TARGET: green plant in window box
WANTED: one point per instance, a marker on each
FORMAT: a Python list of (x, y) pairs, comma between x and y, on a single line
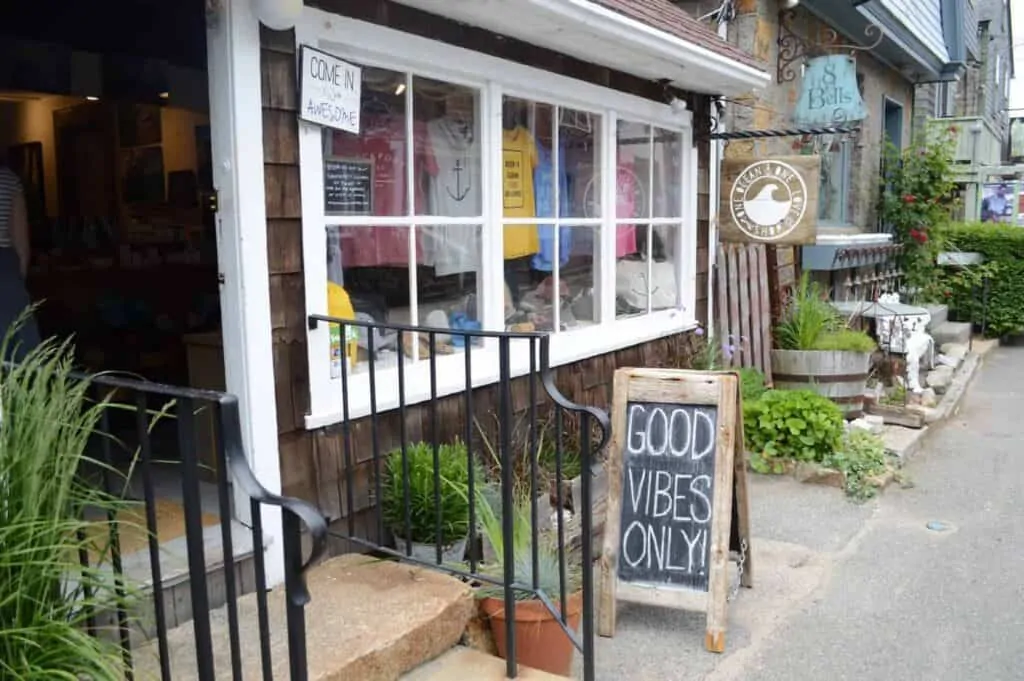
[(417, 471)]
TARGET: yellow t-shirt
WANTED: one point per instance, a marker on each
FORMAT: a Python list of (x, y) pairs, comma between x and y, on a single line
[(519, 159)]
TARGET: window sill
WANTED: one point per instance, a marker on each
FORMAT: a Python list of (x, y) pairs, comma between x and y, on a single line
[(566, 348)]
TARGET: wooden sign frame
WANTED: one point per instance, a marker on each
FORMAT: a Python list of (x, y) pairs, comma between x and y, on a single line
[(730, 521)]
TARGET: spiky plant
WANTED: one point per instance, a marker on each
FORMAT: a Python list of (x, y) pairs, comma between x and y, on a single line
[(49, 517)]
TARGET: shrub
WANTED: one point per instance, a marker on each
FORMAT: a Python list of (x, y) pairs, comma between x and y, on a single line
[(809, 322), (46, 596), (917, 194), (1003, 248), (791, 425), (751, 384), (454, 477), (861, 457)]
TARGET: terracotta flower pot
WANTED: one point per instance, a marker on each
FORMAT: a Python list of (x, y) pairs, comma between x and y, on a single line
[(540, 642)]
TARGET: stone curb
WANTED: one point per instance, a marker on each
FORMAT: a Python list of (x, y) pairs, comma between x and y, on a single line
[(906, 447)]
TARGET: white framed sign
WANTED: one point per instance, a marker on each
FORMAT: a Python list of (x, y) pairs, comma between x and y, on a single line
[(329, 90)]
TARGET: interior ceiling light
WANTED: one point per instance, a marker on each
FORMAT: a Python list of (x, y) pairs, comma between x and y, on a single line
[(400, 89)]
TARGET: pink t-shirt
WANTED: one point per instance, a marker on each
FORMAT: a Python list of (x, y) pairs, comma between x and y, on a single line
[(382, 142)]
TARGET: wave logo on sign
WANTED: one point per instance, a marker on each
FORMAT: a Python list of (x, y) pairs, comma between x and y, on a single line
[(768, 200)]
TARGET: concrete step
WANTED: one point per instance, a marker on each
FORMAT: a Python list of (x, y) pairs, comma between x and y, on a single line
[(952, 332), (939, 315), (466, 664), (176, 583), (368, 619)]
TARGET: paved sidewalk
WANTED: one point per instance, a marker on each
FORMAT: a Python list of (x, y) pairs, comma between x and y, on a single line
[(869, 592)]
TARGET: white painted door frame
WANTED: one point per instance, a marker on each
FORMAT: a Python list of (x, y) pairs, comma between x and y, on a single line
[(236, 119)]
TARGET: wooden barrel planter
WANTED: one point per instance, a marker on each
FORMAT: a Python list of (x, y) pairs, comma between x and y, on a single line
[(841, 376)]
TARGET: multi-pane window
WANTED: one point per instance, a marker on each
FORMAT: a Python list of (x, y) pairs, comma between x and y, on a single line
[(403, 201), (458, 206)]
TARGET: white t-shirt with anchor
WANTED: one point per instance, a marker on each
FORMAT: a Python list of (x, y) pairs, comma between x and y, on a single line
[(455, 191)]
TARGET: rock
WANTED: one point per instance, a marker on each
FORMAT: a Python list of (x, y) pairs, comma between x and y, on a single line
[(928, 398), (871, 423), (947, 361), (940, 378), (819, 475), (478, 635), (957, 351)]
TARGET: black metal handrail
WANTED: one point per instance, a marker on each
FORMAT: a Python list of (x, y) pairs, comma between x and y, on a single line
[(539, 367), (185, 406)]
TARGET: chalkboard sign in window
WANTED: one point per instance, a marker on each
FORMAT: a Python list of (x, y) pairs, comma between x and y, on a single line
[(668, 494), (348, 186)]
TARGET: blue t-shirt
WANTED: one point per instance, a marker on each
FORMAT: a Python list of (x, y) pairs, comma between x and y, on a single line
[(544, 196)]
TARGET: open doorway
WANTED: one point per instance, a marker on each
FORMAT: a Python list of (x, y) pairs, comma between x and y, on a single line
[(106, 124)]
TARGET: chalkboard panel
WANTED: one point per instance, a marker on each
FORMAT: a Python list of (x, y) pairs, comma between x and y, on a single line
[(348, 186), (668, 473)]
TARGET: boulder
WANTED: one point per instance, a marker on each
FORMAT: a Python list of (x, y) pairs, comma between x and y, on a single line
[(957, 351), (939, 379)]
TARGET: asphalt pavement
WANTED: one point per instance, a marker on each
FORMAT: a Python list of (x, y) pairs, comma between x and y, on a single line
[(921, 584)]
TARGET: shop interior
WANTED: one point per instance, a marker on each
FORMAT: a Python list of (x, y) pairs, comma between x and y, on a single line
[(106, 125)]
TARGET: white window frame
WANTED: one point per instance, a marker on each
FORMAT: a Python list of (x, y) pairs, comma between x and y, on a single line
[(376, 46)]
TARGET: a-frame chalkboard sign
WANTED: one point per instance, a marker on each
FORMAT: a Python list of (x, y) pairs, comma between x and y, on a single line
[(677, 495)]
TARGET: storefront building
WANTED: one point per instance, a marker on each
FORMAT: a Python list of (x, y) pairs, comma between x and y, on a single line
[(438, 211), (886, 49)]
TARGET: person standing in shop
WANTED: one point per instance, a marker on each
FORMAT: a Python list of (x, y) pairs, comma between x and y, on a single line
[(14, 259)]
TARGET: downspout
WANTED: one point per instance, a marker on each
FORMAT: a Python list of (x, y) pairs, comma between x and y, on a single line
[(715, 178)]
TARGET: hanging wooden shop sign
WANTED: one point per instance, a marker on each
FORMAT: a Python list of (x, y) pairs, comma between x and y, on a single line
[(677, 495), (772, 201)]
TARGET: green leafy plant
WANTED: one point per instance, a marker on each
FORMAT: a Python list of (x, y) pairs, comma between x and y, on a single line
[(1003, 249), (806, 317), (453, 468), (48, 516), (847, 340), (917, 195), (710, 353), (752, 385), (790, 425), (548, 576), (809, 322), (861, 458), (522, 443)]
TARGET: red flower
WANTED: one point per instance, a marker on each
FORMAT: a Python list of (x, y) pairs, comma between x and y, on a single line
[(918, 236), (947, 293), (909, 198), (953, 129)]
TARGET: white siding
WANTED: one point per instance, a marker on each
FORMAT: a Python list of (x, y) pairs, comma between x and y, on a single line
[(923, 18)]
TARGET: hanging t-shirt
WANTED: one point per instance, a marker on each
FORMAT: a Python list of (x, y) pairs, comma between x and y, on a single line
[(543, 186), (455, 191), (383, 143), (519, 160)]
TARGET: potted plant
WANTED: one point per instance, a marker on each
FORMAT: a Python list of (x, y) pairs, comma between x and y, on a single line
[(541, 643), (816, 350), (416, 533)]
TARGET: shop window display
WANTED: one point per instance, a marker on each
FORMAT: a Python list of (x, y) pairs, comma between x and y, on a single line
[(403, 201), (648, 213), (551, 208)]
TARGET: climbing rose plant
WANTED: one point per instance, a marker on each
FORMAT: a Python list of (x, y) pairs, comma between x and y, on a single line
[(918, 194)]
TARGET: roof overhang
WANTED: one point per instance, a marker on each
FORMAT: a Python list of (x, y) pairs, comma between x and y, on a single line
[(899, 48), (593, 33)]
